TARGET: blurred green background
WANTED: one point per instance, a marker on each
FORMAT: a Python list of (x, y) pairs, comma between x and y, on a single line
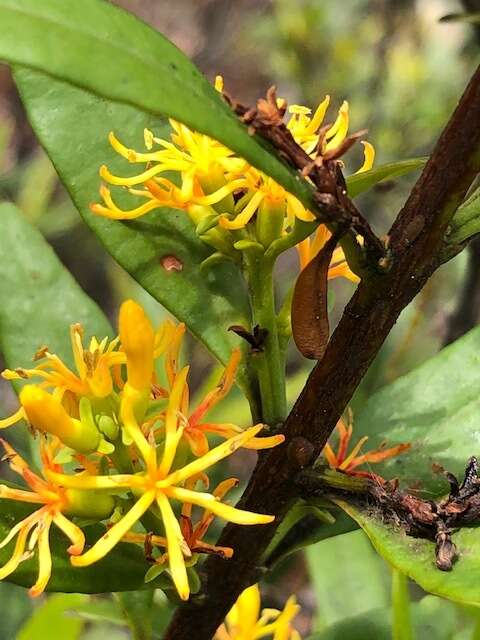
[(402, 70)]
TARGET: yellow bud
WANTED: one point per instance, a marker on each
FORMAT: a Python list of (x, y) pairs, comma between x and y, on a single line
[(47, 415), (270, 217), (138, 340), (93, 505)]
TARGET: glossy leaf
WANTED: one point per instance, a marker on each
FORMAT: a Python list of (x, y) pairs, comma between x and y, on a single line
[(123, 569), (436, 407), (73, 126), (39, 298), (360, 182), (118, 57), (416, 557), (113, 54)]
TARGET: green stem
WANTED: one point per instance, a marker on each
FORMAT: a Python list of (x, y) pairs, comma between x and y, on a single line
[(269, 363), (401, 623)]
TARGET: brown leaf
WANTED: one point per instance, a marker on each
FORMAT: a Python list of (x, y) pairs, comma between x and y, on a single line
[(310, 326)]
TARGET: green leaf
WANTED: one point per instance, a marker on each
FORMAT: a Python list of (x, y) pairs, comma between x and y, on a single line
[(436, 409), (339, 568), (360, 182), (39, 298), (73, 126), (54, 620), (416, 557), (137, 609), (302, 527), (106, 610), (432, 618), (123, 569), (466, 221), (113, 54)]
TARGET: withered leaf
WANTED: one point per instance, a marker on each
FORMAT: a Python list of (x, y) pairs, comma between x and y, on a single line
[(310, 326)]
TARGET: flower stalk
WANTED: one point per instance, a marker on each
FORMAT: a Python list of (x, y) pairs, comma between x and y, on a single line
[(269, 362)]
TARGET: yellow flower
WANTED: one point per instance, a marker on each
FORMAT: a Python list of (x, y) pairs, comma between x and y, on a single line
[(33, 531), (192, 534), (158, 484), (348, 462), (195, 429), (220, 188), (132, 436), (246, 622), (93, 367)]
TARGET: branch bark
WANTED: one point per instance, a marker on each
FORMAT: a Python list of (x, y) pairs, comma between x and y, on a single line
[(416, 240), (467, 312)]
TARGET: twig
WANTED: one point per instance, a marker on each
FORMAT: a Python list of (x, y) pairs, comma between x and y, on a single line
[(433, 520), (332, 204), (416, 242)]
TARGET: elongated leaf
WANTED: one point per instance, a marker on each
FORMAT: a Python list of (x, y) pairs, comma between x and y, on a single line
[(338, 568), (436, 407), (73, 126), (416, 558), (122, 570), (115, 55), (360, 182), (39, 298), (466, 221)]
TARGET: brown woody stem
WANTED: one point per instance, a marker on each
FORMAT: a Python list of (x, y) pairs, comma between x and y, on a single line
[(416, 240)]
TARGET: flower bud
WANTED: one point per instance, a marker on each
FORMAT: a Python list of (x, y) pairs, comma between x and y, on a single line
[(138, 339), (270, 217), (47, 415), (93, 505)]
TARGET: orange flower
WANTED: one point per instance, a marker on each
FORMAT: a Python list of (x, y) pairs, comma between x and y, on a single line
[(55, 503), (348, 462)]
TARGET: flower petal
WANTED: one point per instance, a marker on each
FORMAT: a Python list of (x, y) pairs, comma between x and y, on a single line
[(175, 541), (115, 533), (225, 511)]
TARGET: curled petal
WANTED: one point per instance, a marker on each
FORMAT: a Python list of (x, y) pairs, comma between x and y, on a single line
[(13, 419), (115, 533), (44, 558), (369, 157), (74, 533), (225, 511)]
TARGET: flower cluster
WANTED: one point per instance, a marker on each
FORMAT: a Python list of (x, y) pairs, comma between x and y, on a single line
[(245, 621), (232, 204), (120, 445), (348, 462)]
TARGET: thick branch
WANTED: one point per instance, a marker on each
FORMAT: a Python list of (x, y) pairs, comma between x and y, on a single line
[(467, 312), (416, 241)]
